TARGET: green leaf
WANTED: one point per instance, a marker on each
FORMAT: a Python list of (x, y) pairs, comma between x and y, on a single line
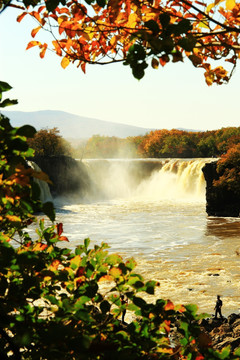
[(237, 352), (105, 306), (48, 209), (138, 70), (225, 352), (26, 130), (101, 3), (86, 243), (153, 26), (81, 301), (139, 302), (8, 102), (5, 86), (164, 19), (183, 27), (113, 259), (51, 5), (192, 308)]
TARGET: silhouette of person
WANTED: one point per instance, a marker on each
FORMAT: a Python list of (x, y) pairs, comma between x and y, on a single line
[(123, 301), (218, 307)]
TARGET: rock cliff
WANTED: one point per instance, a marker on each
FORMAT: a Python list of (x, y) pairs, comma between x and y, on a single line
[(67, 175), (219, 202)]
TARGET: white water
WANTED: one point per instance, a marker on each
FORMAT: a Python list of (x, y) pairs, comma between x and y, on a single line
[(160, 219)]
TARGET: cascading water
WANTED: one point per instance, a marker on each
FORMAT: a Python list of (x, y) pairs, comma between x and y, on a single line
[(45, 194)]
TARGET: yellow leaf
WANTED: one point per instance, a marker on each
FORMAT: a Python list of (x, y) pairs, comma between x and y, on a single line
[(115, 272), (230, 4), (204, 25), (75, 262), (209, 8), (155, 63), (65, 62)]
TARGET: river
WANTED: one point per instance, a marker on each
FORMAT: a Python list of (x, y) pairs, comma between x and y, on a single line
[(156, 214)]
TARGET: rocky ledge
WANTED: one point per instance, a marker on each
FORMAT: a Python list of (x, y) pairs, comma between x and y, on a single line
[(222, 332)]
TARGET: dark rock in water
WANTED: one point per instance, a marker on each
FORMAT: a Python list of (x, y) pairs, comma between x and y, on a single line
[(67, 174), (219, 202)]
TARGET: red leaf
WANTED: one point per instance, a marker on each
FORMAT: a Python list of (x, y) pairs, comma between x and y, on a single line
[(80, 271), (59, 229)]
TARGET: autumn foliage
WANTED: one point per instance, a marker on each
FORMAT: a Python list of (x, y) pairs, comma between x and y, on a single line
[(48, 142), (53, 302), (228, 168), (140, 33), (163, 144)]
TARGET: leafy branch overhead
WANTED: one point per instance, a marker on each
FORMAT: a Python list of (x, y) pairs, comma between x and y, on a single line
[(141, 32)]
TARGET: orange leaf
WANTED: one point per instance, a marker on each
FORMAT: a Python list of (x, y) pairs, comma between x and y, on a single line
[(63, 238), (83, 67), (13, 218), (164, 59), (43, 51), (33, 43), (169, 306), (54, 265), (21, 16), (106, 278), (37, 16), (167, 324), (35, 31), (65, 62), (39, 247), (57, 47)]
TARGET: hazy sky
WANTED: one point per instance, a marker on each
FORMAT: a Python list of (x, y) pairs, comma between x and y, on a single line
[(175, 96)]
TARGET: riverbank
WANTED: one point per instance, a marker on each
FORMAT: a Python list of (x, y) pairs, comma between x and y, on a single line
[(224, 332)]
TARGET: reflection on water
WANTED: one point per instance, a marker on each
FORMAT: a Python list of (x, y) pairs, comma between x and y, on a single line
[(223, 228)]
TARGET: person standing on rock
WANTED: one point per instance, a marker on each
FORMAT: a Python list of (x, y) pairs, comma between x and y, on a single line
[(218, 307)]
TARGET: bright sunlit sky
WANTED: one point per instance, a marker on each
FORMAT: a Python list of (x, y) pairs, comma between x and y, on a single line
[(175, 96)]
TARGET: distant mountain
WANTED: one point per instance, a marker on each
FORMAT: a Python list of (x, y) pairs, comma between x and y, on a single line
[(73, 126)]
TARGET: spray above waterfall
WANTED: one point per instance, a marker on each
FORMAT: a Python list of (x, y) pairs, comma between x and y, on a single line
[(160, 179)]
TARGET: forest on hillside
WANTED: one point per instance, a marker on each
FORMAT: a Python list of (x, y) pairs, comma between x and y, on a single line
[(161, 144)]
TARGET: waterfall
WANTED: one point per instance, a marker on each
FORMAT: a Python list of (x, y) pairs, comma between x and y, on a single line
[(149, 178), (45, 194)]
